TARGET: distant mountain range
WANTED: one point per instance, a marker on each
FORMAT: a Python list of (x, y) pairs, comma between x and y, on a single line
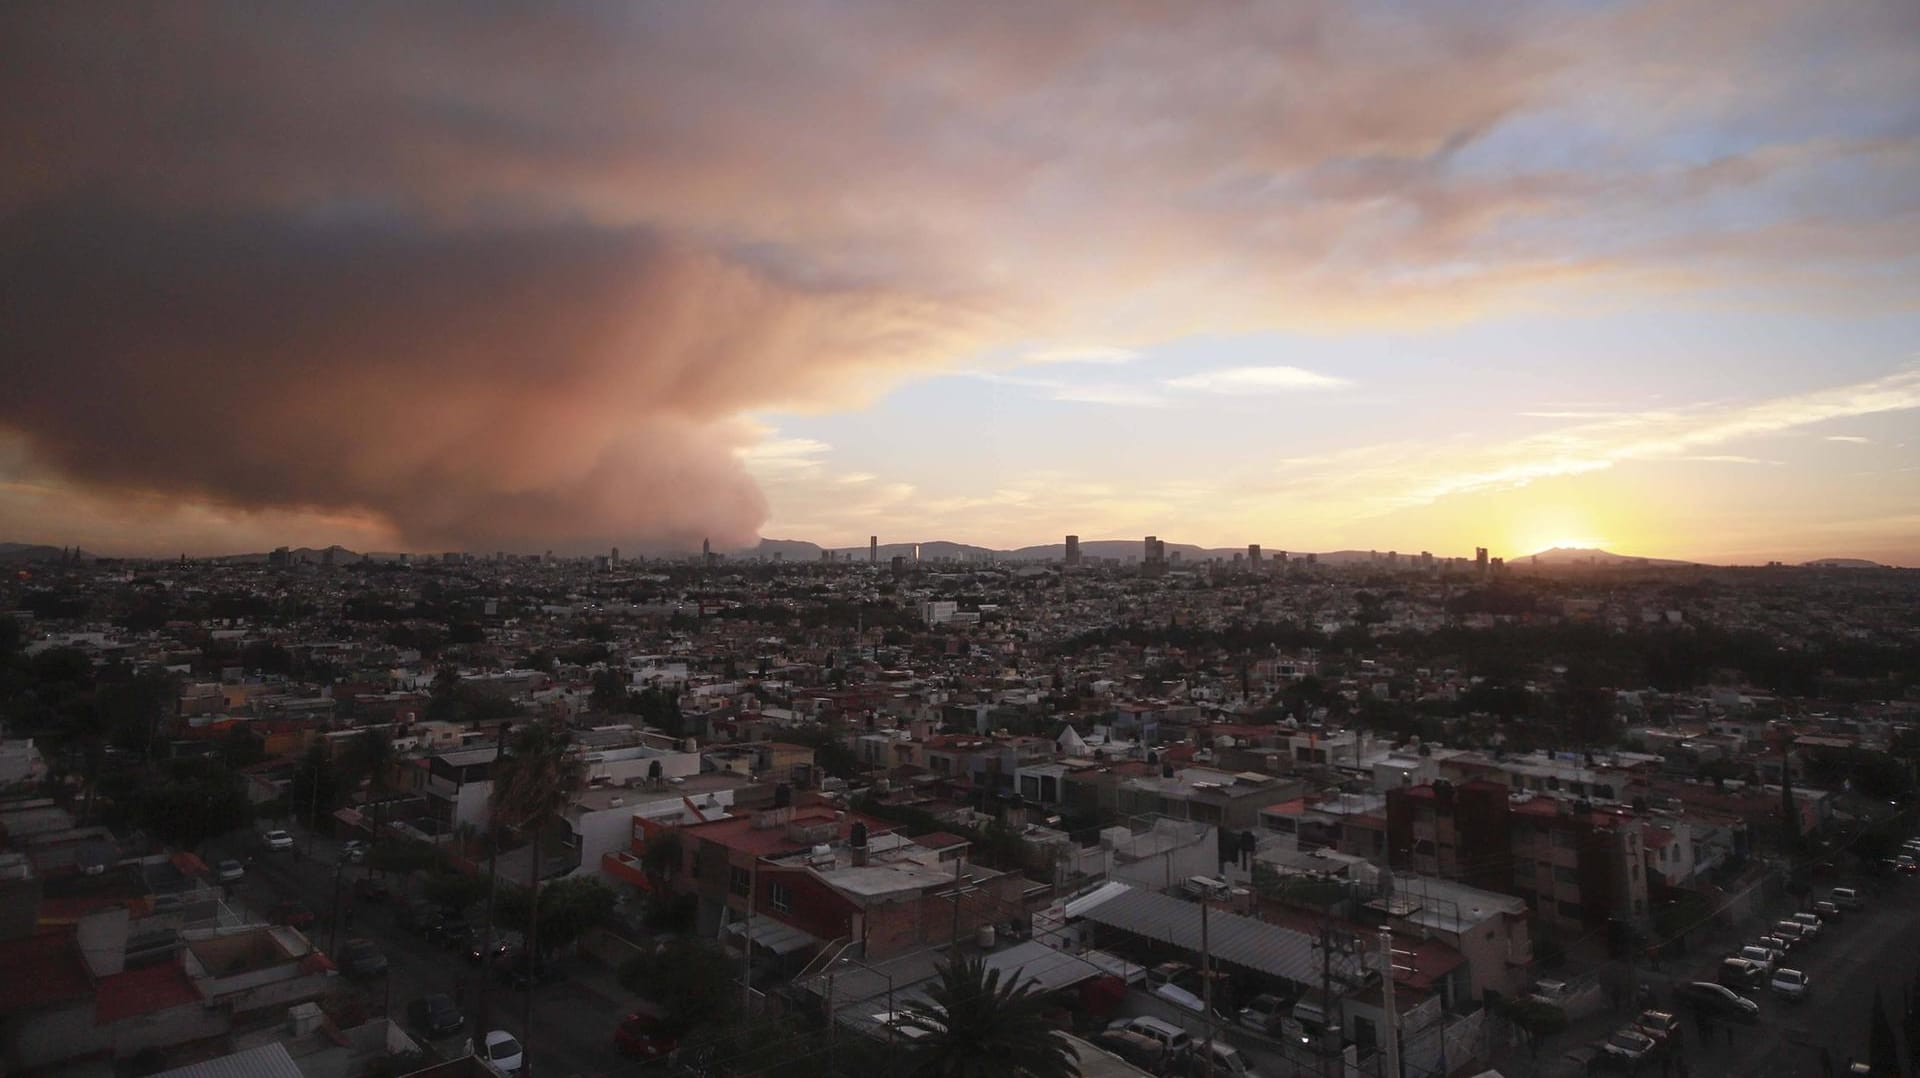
[(1590, 556), (800, 550), (23, 553), (1123, 549)]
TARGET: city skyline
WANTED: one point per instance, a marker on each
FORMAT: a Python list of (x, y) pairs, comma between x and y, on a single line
[(1637, 277)]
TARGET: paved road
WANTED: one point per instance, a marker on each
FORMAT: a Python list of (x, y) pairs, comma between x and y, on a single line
[(1875, 948), (573, 1019)]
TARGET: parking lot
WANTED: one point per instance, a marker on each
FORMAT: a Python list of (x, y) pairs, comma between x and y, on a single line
[(1870, 949)]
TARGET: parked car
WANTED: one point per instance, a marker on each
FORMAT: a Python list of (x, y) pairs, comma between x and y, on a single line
[(1906, 863), (1662, 1026), (1170, 973), (360, 958), (517, 969), (1811, 921), (1789, 984), (1846, 898), (1226, 1061), (1792, 931), (292, 914), (502, 1050), (458, 936), (1777, 943), (353, 851), (645, 1035), (1628, 1045), (480, 951), (1827, 911), (1263, 1013), (1136, 1048), (230, 871), (279, 841), (1764, 957), (420, 918), (1742, 975), (1716, 1000), (439, 1016), (1177, 1041), (371, 889)]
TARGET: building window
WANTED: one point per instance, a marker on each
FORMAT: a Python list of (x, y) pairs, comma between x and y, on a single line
[(780, 897), (1562, 874), (739, 881), (1569, 910)]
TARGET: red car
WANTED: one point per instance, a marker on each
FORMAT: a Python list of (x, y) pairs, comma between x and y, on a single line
[(291, 914), (644, 1036)]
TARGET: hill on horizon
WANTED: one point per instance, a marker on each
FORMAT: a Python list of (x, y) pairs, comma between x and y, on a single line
[(1590, 555)]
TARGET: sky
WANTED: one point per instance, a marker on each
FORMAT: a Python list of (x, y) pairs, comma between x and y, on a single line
[(1319, 275)]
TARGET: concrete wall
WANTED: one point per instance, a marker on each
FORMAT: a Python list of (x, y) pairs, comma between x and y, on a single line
[(102, 936), (175, 1025)]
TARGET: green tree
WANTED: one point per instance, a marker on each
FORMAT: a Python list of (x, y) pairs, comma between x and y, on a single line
[(403, 856), (193, 801), (973, 1024), (610, 692), (660, 709), (531, 788), (455, 890), (315, 788), (662, 858), (239, 748), (569, 908), (691, 981), (369, 757)]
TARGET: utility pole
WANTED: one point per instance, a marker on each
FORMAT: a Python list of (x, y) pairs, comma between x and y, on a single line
[(957, 879), (746, 948), (1326, 993), (1206, 982), (1393, 1015), (493, 889)]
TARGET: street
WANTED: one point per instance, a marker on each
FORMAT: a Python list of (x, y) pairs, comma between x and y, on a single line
[(1874, 948), (573, 1018)]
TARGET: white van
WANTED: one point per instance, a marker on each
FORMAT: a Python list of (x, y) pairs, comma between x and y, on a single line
[(1177, 1040)]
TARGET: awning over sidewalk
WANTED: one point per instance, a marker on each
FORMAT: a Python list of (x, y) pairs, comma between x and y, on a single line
[(351, 817), (774, 936)]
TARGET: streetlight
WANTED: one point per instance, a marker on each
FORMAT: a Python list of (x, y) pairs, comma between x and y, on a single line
[(893, 1019)]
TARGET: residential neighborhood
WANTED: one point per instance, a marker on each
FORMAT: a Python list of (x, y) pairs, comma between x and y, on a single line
[(323, 813)]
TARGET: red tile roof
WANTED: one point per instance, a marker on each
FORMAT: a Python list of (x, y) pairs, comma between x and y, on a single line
[(42, 969), (142, 991)]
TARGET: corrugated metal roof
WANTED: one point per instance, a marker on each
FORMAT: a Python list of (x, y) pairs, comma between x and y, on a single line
[(266, 1061), (1106, 891), (1048, 969), (1234, 940)]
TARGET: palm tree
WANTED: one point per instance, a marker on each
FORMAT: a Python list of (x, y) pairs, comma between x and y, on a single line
[(370, 756), (531, 788), (972, 1024)]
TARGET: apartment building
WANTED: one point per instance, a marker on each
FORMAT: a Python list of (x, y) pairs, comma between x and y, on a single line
[(1576, 864)]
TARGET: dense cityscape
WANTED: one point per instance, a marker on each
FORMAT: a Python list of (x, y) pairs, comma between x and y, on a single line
[(1220, 814), (859, 539)]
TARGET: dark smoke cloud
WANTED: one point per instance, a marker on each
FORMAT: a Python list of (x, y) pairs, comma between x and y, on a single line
[(512, 274), (534, 385)]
